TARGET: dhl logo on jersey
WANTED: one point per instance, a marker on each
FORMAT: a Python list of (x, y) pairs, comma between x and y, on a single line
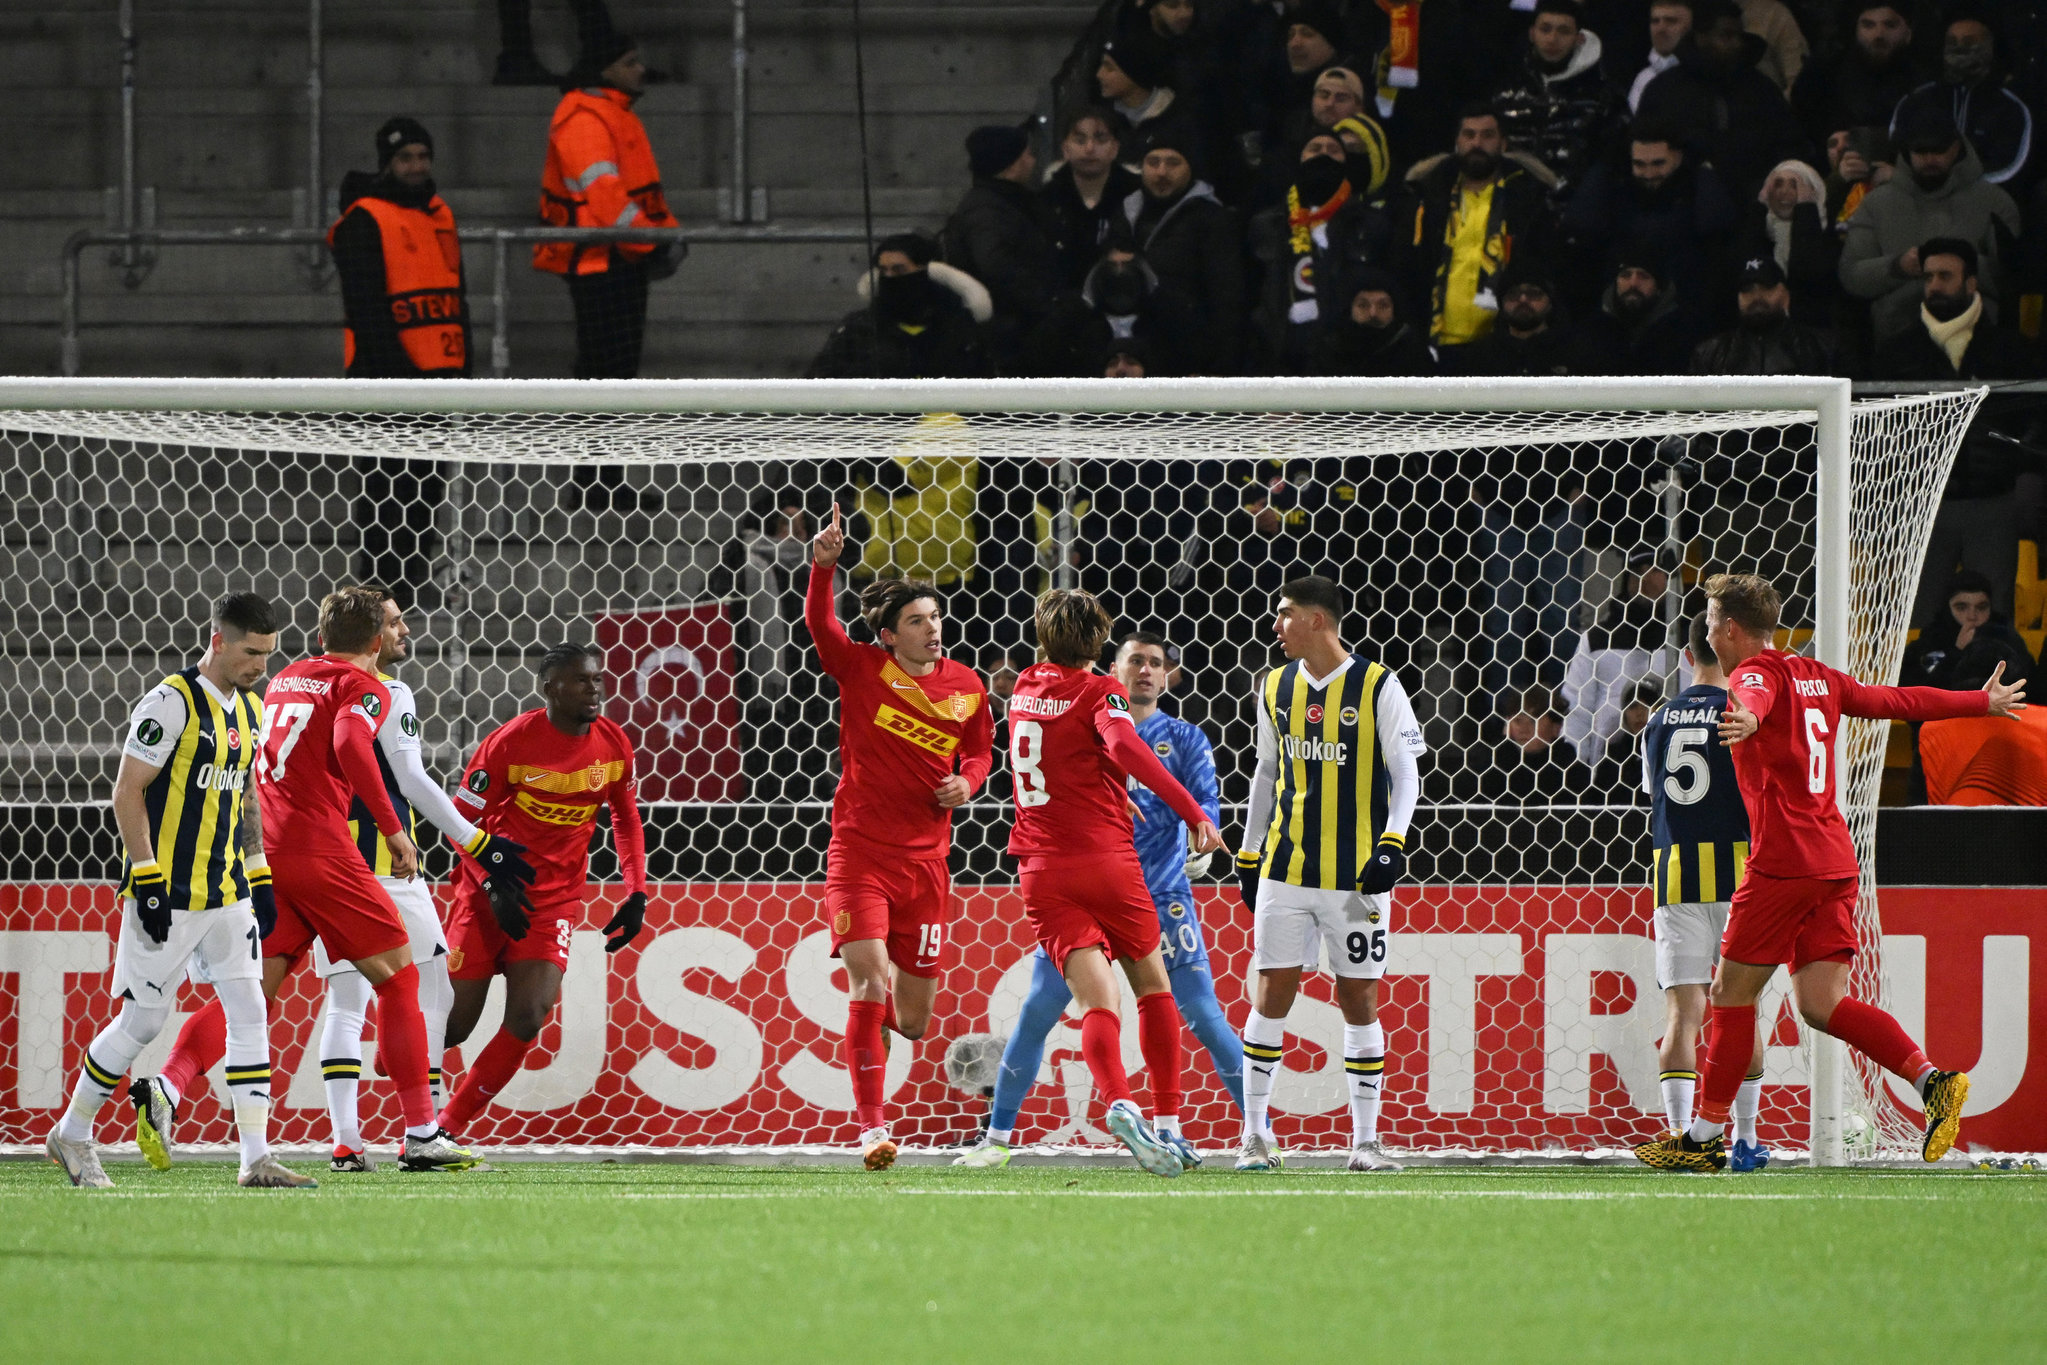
[(916, 731), (554, 812), (594, 778)]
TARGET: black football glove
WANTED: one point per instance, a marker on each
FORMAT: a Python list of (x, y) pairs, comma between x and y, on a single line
[(1248, 863), (501, 859), (152, 901), (625, 926), (1388, 865), (511, 907), (262, 900)]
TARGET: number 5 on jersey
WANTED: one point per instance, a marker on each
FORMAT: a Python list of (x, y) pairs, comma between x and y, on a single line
[(282, 726)]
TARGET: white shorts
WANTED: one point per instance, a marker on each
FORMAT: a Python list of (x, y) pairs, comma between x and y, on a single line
[(1688, 942), (208, 946), (415, 902), (1294, 924)]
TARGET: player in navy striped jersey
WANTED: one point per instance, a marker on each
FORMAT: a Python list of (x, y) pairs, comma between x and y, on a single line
[(1699, 836), (193, 890)]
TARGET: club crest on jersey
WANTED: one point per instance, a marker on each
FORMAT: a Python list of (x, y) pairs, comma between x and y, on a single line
[(1176, 910), (149, 732), (1349, 715), (479, 781), (1371, 916), (595, 776), (1314, 713), (1164, 748)]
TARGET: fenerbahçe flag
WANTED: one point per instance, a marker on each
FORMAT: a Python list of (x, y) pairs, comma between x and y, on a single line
[(669, 675)]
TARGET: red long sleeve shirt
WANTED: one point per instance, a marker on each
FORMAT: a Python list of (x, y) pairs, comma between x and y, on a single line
[(318, 749), (540, 787)]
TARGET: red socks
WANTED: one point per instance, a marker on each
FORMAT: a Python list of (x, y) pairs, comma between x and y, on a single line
[(1728, 1050), (502, 1057), (1158, 1031), (201, 1043), (866, 1063), (401, 1044), (1879, 1037), (1101, 1043)]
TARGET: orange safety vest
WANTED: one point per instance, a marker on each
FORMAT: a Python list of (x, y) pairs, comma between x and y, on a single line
[(600, 173), (422, 281)]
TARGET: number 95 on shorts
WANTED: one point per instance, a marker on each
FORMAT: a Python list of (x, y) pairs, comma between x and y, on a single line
[(1295, 926)]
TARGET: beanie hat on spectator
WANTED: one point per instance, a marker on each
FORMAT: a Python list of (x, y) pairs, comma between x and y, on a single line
[(1373, 154), (401, 132), (1345, 78), (592, 60), (1356, 281), (1172, 135), (1140, 57), (994, 148), (1927, 128), (1322, 16), (919, 248), (1642, 252)]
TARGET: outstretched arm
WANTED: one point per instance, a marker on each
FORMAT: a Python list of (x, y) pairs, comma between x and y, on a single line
[(1997, 698)]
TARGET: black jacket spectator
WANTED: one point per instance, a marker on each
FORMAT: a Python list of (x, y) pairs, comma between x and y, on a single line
[(1007, 238), (1811, 265), (1082, 230), (1364, 333), (1972, 91), (1640, 335), (1935, 660), (1193, 244), (1779, 347), (1564, 118), (1519, 222), (1686, 221), (1323, 233), (926, 325), (1861, 88), (1991, 352), (1729, 110), (1119, 302)]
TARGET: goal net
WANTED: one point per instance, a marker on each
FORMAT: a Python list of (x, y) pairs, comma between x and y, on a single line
[(1523, 554)]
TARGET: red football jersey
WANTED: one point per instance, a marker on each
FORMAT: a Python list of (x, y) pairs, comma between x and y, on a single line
[(539, 787), (899, 736), (1787, 767), (301, 779), (1072, 799)]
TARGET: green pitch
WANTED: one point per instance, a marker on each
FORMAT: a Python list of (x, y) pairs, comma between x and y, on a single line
[(572, 1263)]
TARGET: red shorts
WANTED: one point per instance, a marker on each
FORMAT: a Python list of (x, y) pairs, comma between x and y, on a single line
[(1098, 901), (478, 950), (1791, 919), (907, 901), (335, 896)]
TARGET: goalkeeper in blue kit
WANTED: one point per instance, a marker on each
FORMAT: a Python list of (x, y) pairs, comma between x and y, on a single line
[(1143, 662)]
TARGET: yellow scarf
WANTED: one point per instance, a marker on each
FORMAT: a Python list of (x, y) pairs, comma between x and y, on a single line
[(1954, 336)]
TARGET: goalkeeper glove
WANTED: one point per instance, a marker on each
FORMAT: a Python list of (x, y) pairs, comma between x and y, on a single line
[(1197, 865), (510, 906), (1388, 865), (152, 900), (500, 857), (1248, 863), (626, 924), (262, 899)]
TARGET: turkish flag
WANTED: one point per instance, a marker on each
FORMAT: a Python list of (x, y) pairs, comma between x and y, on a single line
[(671, 673)]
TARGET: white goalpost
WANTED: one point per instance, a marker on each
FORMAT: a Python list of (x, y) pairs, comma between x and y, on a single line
[(1524, 553)]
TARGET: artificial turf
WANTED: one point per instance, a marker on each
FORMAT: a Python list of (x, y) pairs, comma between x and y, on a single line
[(600, 1262)]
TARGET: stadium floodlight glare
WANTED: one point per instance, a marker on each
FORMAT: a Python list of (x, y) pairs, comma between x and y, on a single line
[(1477, 523)]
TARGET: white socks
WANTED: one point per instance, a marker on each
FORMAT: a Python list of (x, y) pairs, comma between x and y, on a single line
[(1364, 1067), (1002, 1137), (1264, 1045), (348, 999), (106, 1061), (248, 1064), (436, 999), (1747, 1101), (1678, 1090)]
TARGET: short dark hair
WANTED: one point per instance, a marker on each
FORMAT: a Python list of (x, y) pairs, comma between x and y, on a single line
[(1570, 9), (1960, 247), (352, 618), (1655, 130), (1317, 591), (1966, 580), (1099, 112), (1151, 638), (562, 655), (882, 601), (1478, 109), (1072, 627), (245, 613), (1701, 647)]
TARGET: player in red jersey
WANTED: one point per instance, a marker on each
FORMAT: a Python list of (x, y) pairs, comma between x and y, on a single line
[(1797, 903), (914, 737), (539, 780), (1072, 749)]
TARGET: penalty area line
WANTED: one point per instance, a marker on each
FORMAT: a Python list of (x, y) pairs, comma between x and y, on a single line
[(1173, 1193)]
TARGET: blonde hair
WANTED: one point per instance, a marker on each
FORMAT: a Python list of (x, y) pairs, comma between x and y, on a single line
[(351, 619), (1072, 627), (1746, 599)]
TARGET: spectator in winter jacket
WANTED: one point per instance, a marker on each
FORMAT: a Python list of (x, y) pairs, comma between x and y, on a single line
[(1561, 108), (1862, 87), (1962, 643), (1727, 108), (1784, 45), (1338, 95), (1465, 216), (1972, 92), (1194, 245), (1951, 339), (1785, 224), (924, 321), (1669, 22), (1324, 229), (1370, 340), (1766, 340), (1085, 190), (1134, 76), (1664, 199), (1532, 336), (1938, 192), (1120, 301), (1639, 327), (1006, 237)]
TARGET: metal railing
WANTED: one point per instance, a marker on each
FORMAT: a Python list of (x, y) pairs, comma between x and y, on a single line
[(501, 240)]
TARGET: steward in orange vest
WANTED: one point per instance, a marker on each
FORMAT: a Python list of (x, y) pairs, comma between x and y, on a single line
[(600, 172), (400, 266)]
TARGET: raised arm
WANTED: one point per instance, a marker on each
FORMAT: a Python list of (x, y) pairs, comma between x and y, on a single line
[(1871, 702), (820, 607)]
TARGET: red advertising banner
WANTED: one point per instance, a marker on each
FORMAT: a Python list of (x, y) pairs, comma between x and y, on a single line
[(1519, 1019), (671, 672)]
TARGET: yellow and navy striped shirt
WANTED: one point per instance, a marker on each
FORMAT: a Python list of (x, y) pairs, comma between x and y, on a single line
[(1698, 826), (195, 800), (399, 732), (1333, 790)]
